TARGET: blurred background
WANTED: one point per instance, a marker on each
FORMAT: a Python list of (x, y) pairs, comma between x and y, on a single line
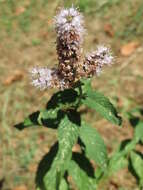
[(27, 39)]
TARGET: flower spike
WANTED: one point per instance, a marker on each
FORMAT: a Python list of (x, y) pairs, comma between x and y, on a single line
[(69, 26)]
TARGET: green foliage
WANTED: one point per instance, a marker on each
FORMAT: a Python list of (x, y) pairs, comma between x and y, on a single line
[(139, 131), (80, 178), (51, 116), (117, 162), (137, 163), (101, 104), (67, 136), (61, 168), (94, 145), (63, 185), (61, 113), (125, 155)]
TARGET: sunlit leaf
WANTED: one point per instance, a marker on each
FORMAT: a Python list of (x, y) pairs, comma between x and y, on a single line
[(117, 162), (101, 104), (67, 136), (81, 179), (139, 131), (94, 145), (119, 159), (63, 185), (137, 163)]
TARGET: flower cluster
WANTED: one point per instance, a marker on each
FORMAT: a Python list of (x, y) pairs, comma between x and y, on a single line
[(44, 78), (69, 26), (94, 61)]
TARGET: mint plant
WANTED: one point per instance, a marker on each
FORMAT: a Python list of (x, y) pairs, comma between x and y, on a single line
[(127, 156), (62, 168)]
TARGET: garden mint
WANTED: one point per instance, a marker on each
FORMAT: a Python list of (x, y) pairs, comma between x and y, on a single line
[(73, 65)]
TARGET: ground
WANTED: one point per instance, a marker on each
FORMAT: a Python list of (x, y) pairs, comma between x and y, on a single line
[(27, 39)]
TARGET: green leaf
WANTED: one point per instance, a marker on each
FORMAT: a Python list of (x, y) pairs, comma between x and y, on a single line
[(45, 165), (31, 120), (63, 185), (67, 136), (63, 100), (116, 163), (119, 159), (48, 118), (139, 131), (86, 85), (94, 145), (129, 147), (81, 179), (137, 163), (101, 104)]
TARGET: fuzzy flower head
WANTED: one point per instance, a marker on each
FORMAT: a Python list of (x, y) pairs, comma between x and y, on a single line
[(104, 55), (71, 64), (69, 29), (94, 61), (41, 77), (67, 20), (44, 78)]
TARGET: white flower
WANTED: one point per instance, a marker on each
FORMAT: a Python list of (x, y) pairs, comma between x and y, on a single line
[(69, 19), (41, 77), (104, 55), (94, 61)]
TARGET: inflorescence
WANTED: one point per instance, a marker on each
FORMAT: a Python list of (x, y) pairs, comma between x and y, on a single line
[(69, 26)]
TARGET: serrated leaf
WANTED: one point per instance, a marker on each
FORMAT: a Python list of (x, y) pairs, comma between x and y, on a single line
[(80, 178), (101, 104), (67, 135), (137, 163), (94, 145)]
